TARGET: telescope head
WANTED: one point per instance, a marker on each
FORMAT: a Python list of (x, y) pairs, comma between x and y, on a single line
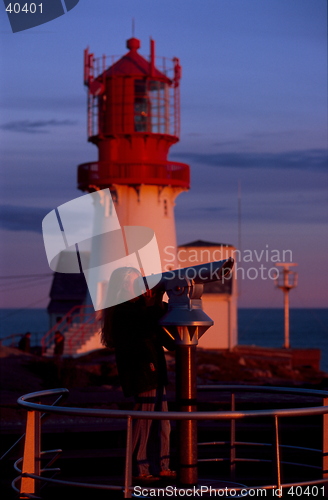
[(185, 320), (191, 276)]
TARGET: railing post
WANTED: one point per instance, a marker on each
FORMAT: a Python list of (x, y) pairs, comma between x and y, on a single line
[(325, 441), (233, 442), (276, 447), (32, 453), (128, 460)]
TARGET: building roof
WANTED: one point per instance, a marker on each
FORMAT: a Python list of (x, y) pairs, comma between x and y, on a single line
[(202, 243), (62, 306), (68, 287), (133, 64)]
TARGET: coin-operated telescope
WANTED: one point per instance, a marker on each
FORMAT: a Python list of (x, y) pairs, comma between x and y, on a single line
[(185, 322)]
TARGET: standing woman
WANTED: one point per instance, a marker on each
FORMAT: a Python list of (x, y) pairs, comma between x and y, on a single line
[(132, 328)]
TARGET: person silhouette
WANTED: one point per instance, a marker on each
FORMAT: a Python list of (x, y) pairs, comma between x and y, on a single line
[(25, 342), (131, 327), (59, 344)]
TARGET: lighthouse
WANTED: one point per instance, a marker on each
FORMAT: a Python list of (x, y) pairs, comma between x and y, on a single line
[(133, 111), (134, 119)]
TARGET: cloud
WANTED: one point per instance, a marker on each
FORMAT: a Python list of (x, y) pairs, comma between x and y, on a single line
[(259, 207), (202, 213), (307, 159), (35, 127), (51, 103), (19, 218), (285, 213), (227, 143)]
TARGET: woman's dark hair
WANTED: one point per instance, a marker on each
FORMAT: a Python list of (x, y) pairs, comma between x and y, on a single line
[(116, 294)]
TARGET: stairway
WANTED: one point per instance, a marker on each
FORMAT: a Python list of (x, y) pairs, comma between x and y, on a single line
[(80, 338)]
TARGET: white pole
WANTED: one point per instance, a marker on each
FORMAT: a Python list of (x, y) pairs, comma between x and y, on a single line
[(286, 297), (289, 281)]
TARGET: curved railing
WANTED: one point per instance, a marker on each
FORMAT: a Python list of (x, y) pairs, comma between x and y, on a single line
[(103, 174), (31, 473)]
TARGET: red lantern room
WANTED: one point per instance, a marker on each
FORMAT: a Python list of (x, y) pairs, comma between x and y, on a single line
[(133, 119)]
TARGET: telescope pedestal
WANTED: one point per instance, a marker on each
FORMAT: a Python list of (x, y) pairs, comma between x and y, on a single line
[(186, 394)]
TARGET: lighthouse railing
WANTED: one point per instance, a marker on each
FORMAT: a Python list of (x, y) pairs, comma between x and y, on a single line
[(96, 80), (154, 173)]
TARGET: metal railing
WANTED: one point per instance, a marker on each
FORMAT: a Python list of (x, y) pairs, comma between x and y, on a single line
[(154, 173), (91, 322), (78, 314), (100, 64), (31, 474), (13, 339)]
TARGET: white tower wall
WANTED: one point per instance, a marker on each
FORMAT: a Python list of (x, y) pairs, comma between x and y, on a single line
[(153, 207)]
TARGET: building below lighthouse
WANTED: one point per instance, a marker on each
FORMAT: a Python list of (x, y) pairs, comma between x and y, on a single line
[(219, 298), (134, 120)]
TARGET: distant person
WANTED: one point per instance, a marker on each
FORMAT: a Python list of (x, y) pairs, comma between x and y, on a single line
[(25, 342), (59, 343), (132, 328)]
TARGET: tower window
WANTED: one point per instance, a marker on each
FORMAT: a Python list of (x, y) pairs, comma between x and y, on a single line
[(159, 102), (141, 106), (165, 208), (151, 106)]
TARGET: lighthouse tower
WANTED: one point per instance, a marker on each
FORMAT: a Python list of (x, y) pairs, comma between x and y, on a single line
[(133, 119)]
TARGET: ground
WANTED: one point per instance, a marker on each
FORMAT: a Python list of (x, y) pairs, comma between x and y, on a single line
[(93, 382)]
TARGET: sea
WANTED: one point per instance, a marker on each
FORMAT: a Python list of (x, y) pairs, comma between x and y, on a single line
[(260, 327)]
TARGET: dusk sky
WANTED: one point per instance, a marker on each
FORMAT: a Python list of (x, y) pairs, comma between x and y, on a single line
[(253, 111)]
